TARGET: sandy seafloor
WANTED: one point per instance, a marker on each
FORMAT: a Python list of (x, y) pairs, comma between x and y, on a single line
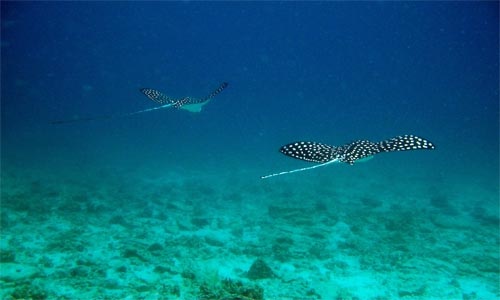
[(130, 234)]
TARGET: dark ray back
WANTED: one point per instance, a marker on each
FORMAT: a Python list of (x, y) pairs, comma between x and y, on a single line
[(161, 98), (216, 92), (157, 96), (405, 143), (309, 151), (356, 150), (189, 100), (360, 149), (349, 153)]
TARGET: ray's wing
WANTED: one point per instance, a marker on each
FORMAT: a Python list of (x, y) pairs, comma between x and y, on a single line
[(189, 100), (405, 143), (310, 151), (157, 96), (215, 93), (360, 149)]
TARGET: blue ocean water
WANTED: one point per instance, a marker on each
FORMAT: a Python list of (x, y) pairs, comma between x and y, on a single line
[(331, 72)]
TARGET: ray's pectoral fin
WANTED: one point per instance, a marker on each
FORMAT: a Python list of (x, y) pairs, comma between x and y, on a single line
[(405, 143), (363, 149), (181, 102), (309, 151), (157, 96)]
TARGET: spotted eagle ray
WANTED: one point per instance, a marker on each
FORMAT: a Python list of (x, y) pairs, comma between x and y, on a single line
[(348, 153), (187, 103)]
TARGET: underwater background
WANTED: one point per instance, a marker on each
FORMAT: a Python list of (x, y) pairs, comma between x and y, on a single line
[(169, 204)]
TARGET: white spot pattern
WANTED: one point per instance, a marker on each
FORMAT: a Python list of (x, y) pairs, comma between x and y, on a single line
[(349, 153), (161, 98)]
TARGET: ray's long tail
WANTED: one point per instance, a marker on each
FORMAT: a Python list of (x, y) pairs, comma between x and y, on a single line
[(155, 96)]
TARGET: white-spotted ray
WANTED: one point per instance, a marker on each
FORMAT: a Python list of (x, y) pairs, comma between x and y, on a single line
[(349, 153), (187, 103)]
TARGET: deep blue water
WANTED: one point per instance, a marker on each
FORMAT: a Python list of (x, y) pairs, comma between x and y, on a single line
[(330, 72)]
